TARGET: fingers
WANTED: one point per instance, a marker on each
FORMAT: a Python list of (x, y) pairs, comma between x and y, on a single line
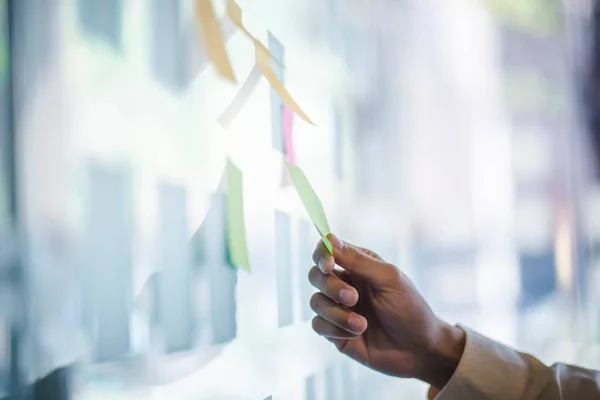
[(333, 287), (330, 331), (371, 253), (323, 259), (363, 263), (357, 261), (343, 275), (337, 315)]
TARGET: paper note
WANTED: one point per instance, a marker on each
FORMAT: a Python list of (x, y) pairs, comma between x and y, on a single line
[(311, 203), (234, 12), (200, 61), (236, 231), (212, 38), (240, 99), (263, 61), (288, 141)]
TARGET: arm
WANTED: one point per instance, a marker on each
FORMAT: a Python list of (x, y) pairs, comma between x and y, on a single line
[(372, 313), (489, 370)]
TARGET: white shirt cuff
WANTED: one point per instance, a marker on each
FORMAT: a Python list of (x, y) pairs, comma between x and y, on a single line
[(486, 371)]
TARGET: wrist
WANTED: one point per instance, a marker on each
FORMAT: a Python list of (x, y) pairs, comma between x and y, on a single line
[(443, 354)]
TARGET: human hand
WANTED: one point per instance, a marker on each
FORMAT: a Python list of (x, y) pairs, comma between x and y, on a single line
[(373, 313)]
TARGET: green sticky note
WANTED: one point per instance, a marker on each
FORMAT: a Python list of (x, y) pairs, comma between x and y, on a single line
[(236, 231), (311, 203)]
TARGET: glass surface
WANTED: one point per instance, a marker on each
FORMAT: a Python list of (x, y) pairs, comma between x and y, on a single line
[(441, 144)]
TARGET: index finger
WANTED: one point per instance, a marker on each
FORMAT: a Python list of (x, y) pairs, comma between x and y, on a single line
[(323, 258)]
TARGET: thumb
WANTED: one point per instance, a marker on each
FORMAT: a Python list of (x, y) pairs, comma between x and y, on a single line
[(357, 261)]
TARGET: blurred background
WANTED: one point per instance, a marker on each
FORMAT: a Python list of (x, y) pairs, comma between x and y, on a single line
[(451, 138)]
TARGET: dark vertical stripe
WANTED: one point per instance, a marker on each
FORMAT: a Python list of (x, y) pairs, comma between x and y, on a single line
[(16, 270)]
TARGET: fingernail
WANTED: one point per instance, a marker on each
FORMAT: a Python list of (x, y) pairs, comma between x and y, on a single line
[(357, 324), (335, 242), (322, 264), (348, 296)]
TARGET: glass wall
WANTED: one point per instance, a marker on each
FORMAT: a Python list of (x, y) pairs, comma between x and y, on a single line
[(440, 143)]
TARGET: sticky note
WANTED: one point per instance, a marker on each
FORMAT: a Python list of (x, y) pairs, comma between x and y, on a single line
[(236, 231), (234, 12), (212, 38), (288, 140), (263, 61), (240, 99), (311, 203)]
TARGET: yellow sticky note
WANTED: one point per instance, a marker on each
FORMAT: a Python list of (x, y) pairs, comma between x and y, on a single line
[(236, 230), (263, 61), (234, 12), (311, 203), (212, 38)]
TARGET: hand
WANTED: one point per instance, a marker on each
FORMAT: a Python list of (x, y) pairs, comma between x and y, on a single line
[(375, 315)]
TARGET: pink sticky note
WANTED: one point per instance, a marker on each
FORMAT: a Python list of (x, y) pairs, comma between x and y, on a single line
[(288, 141)]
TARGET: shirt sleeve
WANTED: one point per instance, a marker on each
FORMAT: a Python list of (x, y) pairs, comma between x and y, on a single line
[(491, 371)]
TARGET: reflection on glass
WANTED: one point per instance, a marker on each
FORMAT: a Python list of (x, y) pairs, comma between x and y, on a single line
[(102, 19), (4, 110), (307, 242), (347, 387), (211, 257), (538, 277), (175, 279), (173, 46), (283, 269), (332, 383), (107, 260), (278, 52), (4, 287), (310, 388)]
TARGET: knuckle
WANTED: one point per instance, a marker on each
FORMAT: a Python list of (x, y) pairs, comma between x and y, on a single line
[(315, 301), (357, 255), (316, 324), (328, 287), (391, 273), (392, 269), (388, 268)]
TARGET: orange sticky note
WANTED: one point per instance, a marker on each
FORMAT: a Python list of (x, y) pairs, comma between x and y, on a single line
[(212, 38), (263, 61)]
